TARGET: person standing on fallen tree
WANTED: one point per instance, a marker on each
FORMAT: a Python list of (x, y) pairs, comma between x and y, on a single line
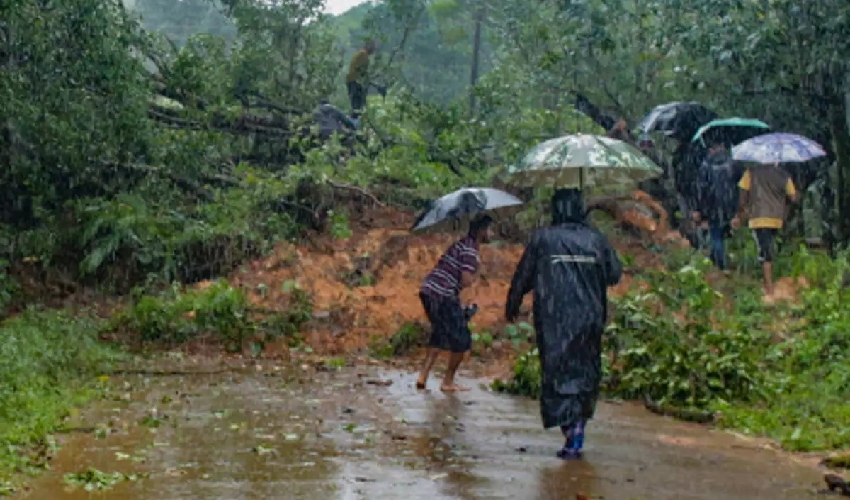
[(440, 296), (569, 266), (357, 78)]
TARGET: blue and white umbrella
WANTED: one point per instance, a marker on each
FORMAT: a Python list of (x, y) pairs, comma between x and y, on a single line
[(777, 148)]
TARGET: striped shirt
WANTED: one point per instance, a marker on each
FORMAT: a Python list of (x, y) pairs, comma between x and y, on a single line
[(444, 280)]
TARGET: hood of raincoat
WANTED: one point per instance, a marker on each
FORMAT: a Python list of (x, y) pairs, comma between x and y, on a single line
[(567, 206), (720, 158), (717, 193)]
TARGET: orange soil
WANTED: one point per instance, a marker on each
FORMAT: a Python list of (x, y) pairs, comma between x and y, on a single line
[(348, 318)]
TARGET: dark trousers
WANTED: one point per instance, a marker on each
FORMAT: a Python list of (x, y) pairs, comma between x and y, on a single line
[(449, 329), (357, 97), (717, 235), (765, 241)]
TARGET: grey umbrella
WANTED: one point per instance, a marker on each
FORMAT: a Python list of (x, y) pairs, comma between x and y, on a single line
[(455, 210), (677, 119)]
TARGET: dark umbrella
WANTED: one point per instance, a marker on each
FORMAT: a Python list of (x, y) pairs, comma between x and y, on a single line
[(455, 210), (679, 120)]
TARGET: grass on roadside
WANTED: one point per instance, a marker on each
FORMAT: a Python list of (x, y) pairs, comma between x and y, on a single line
[(50, 364)]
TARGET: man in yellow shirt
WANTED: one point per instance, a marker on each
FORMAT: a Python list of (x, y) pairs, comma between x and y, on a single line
[(357, 78), (765, 192)]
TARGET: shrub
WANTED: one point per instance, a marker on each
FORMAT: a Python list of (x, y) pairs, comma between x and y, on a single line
[(177, 316), (677, 345), (526, 378)]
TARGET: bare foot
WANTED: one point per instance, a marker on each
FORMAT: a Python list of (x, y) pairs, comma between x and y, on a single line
[(453, 388)]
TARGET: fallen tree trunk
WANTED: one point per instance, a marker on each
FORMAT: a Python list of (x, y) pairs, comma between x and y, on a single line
[(240, 124)]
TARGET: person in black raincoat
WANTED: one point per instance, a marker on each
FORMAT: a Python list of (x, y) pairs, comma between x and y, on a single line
[(686, 163), (569, 266), (717, 199)]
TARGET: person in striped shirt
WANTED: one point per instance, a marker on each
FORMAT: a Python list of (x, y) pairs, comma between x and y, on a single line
[(440, 296)]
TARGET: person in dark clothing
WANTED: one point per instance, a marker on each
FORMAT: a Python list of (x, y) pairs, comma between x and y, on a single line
[(686, 161), (717, 199), (357, 78), (440, 296), (330, 119), (569, 266)]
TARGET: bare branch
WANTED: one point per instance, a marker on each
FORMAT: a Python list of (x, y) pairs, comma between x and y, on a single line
[(356, 189)]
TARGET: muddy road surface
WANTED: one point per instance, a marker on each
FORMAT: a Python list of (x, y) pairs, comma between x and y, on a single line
[(265, 432)]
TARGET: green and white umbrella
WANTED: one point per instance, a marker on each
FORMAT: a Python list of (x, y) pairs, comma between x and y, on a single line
[(583, 160), (730, 130)]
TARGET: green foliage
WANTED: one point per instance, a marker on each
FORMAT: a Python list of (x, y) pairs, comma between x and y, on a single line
[(50, 361), (340, 228), (429, 141), (518, 333), (177, 316), (808, 368), (150, 238), (299, 312), (409, 336), (677, 345), (221, 310), (780, 373), (94, 480), (140, 179), (8, 288), (526, 379), (481, 341), (154, 183)]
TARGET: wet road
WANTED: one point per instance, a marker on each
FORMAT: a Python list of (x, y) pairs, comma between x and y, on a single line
[(265, 434)]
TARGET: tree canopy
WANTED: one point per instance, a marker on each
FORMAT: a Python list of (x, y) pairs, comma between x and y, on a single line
[(150, 131)]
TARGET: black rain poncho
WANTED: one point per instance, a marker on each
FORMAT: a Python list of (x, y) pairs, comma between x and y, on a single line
[(570, 266), (717, 188)]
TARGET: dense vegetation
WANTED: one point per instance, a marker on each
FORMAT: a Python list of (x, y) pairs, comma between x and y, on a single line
[(154, 141), (679, 342)]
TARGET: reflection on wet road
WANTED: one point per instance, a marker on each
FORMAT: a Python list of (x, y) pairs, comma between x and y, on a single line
[(267, 434)]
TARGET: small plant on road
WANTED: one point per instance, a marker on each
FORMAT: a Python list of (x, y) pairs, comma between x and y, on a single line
[(92, 479), (519, 333), (526, 378)]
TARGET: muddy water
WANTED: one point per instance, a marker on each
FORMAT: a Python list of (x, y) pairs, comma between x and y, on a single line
[(266, 434)]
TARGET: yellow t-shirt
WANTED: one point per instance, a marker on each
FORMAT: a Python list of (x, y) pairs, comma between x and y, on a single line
[(766, 222), (359, 66)]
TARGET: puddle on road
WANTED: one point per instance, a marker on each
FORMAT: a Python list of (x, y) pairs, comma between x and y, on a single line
[(335, 436)]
